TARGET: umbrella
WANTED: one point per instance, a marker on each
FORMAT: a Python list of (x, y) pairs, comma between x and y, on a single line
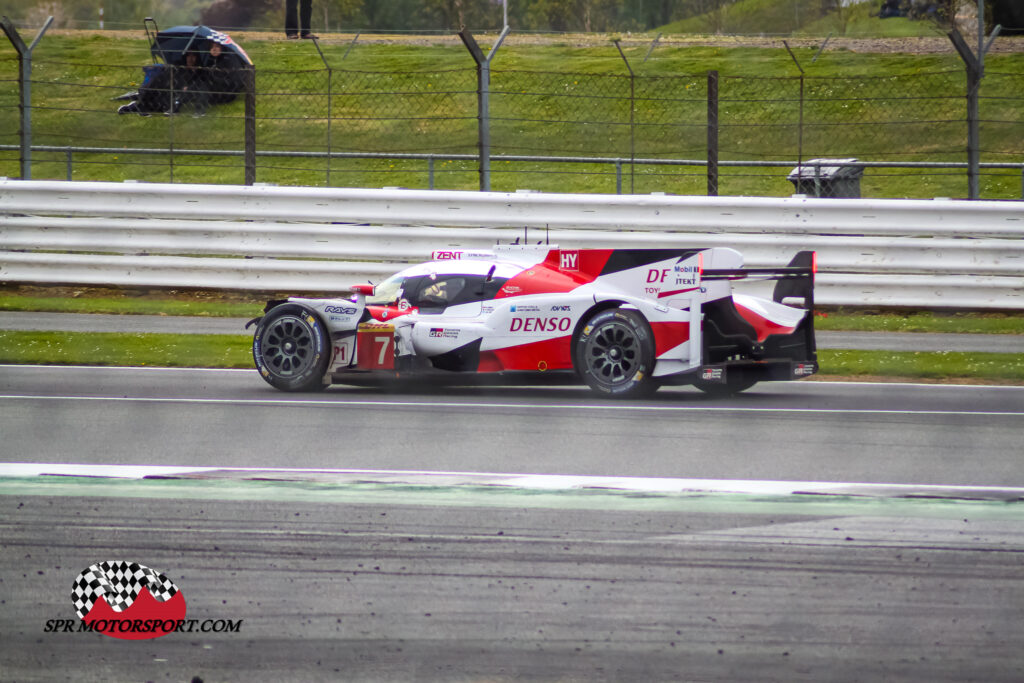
[(172, 44)]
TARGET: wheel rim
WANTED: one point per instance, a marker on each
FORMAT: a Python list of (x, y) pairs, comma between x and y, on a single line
[(612, 354), (288, 346)]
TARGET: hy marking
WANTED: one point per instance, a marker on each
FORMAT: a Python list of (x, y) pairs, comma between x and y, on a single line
[(616, 407)]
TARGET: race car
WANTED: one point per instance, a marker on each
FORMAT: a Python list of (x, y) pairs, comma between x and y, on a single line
[(623, 321)]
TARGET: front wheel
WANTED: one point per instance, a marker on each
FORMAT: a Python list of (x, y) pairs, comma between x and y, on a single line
[(615, 354), (291, 348)]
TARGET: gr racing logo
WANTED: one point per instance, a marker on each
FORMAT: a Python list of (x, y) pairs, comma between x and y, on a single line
[(127, 600)]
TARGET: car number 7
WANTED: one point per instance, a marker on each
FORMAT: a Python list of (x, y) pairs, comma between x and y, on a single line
[(384, 342)]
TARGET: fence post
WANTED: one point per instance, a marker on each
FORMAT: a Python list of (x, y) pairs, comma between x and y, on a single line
[(330, 80), (712, 134), (800, 120), (975, 65), (170, 126), (973, 81), (632, 113), (483, 98), (250, 125), (24, 89)]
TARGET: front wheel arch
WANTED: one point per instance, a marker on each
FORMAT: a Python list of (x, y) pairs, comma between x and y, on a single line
[(614, 353), (291, 348)]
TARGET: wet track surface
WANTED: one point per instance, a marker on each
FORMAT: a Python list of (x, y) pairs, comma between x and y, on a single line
[(342, 583), (398, 593), (811, 431)]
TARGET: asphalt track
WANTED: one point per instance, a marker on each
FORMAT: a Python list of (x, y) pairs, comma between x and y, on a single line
[(418, 582)]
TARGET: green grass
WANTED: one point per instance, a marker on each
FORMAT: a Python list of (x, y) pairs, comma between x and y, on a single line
[(231, 351), (840, 320), (132, 305), (112, 348), (922, 321), (802, 17), (546, 100), (943, 365)]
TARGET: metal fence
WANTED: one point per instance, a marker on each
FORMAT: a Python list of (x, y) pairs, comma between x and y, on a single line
[(708, 133)]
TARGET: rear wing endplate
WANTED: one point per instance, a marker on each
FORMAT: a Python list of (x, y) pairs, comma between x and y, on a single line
[(795, 280)]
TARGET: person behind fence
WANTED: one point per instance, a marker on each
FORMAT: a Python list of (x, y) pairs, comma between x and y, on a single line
[(191, 86), (222, 74), (297, 14)]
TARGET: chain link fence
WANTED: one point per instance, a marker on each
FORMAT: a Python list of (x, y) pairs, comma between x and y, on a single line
[(559, 132)]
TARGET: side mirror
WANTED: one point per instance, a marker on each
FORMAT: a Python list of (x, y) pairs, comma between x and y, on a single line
[(362, 291)]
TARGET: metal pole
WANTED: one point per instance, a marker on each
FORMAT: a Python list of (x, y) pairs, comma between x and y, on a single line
[(250, 125), (330, 79), (330, 113), (430, 172), (484, 131), (800, 133), (632, 111), (350, 46), (170, 128), (24, 88), (483, 89), (973, 81), (712, 169), (800, 122)]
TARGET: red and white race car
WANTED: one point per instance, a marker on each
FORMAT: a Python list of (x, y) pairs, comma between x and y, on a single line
[(625, 321)]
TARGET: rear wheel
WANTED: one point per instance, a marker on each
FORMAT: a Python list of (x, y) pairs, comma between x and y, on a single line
[(291, 348), (615, 354)]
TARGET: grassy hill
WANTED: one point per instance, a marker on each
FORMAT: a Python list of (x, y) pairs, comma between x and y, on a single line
[(567, 96), (800, 17)]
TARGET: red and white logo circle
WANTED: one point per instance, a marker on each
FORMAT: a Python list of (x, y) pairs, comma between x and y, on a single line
[(127, 600)]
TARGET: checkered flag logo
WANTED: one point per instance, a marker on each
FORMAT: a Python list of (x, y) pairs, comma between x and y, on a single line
[(120, 584)]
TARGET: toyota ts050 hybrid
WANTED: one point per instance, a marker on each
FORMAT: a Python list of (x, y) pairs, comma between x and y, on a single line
[(624, 321)]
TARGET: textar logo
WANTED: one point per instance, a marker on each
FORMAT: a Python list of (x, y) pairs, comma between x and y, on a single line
[(127, 600)]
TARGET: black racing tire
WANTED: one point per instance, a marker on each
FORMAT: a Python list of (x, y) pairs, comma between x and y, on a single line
[(614, 354), (291, 348), (732, 385)]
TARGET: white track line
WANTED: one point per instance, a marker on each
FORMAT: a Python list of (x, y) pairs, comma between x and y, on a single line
[(616, 407), (810, 382), (550, 482)]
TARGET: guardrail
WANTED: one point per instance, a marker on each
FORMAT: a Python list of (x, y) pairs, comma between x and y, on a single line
[(617, 163), (919, 253)]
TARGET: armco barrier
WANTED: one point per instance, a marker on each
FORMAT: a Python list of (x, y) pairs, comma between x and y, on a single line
[(936, 254)]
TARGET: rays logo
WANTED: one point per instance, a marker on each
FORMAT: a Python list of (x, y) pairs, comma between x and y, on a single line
[(343, 310), (115, 598)]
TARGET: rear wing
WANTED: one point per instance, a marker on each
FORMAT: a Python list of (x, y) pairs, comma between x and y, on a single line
[(795, 280)]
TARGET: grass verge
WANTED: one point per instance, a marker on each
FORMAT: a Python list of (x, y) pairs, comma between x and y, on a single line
[(233, 351), (921, 321), (251, 305), (113, 348), (130, 305)]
